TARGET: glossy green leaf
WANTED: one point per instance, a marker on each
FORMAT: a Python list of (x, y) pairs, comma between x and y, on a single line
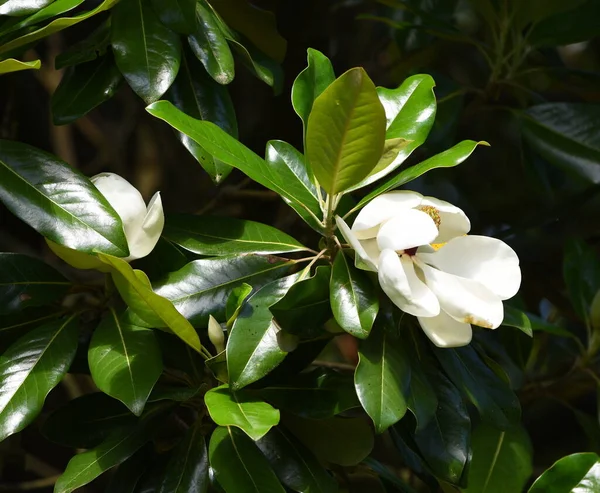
[(518, 319), (235, 300), (305, 308), (310, 83), (22, 7), (576, 472), (447, 159), (14, 325), (134, 287), (86, 50), (278, 174), (55, 8), (83, 87), (26, 281), (86, 421), (343, 441), (496, 402), (221, 236), (187, 470), (581, 272), (54, 26), (125, 361), (501, 460), (69, 210), (410, 112), (382, 377), (147, 52), (12, 65), (252, 348), (115, 449), (210, 45), (164, 258), (422, 399), (563, 134), (202, 287), (30, 368), (128, 474), (445, 441), (295, 466), (238, 465), (576, 25), (241, 409), (179, 15), (318, 394), (345, 132), (200, 97), (354, 299)]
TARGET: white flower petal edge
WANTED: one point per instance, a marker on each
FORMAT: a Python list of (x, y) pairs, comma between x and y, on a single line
[(409, 228), (453, 221), (356, 245), (143, 241), (399, 281), (481, 258), (446, 332)]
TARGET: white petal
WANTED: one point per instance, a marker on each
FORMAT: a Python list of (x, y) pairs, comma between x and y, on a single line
[(399, 281), (143, 241), (381, 209), (481, 258), (444, 331), (453, 221), (463, 299), (358, 248), (125, 199), (408, 229)]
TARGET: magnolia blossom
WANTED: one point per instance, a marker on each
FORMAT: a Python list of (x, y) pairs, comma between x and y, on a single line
[(142, 224), (430, 268)]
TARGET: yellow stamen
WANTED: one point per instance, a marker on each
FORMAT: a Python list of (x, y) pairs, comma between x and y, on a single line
[(433, 213), (437, 246)]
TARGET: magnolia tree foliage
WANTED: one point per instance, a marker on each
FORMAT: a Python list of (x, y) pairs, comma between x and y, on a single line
[(208, 374)]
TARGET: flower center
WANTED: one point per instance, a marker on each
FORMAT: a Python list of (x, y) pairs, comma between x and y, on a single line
[(411, 251), (433, 213)]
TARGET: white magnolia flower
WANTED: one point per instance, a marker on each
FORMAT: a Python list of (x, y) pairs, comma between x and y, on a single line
[(430, 268), (142, 224)]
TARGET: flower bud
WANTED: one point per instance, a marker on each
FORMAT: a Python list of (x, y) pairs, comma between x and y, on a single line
[(215, 334)]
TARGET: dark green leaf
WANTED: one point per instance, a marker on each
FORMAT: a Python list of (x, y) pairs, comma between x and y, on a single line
[(238, 465), (86, 421), (382, 377), (83, 87), (305, 307), (200, 97), (354, 300), (410, 112), (128, 474), (58, 201), (518, 319), (147, 52), (218, 367), (447, 159), (165, 258), (222, 236), (30, 369), (501, 460), (22, 7), (210, 45), (241, 409), (179, 15), (187, 470), (310, 83), (496, 402), (12, 65), (578, 24), (125, 361), (576, 472), (202, 287), (343, 441), (581, 271), (26, 281), (235, 300), (345, 132), (86, 50), (252, 348), (57, 7), (295, 466)]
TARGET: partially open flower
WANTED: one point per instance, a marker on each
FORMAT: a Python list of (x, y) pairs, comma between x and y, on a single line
[(430, 268), (142, 224)]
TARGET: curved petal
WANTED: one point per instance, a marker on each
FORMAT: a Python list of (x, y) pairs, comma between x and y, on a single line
[(399, 281), (368, 263), (446, 332), (381, 209), (453, 221), (143, 241), (410, 228), (463, 299), (487, 260), (125, 199)]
